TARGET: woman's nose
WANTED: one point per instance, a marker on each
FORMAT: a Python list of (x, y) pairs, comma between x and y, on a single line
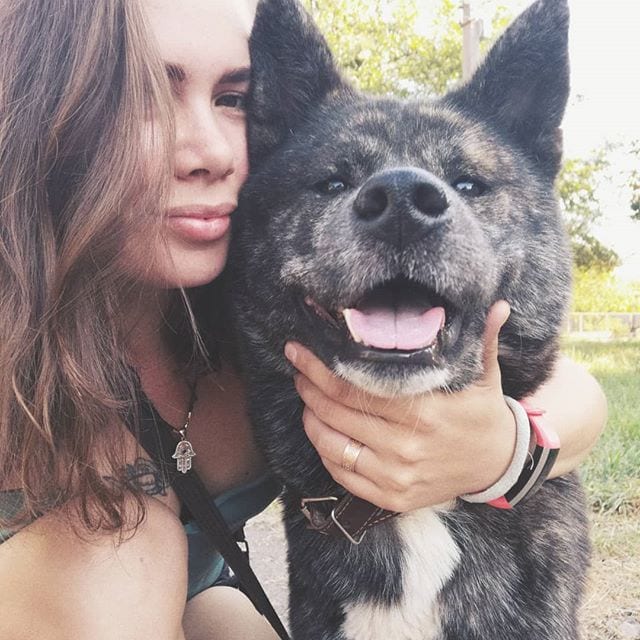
[(203, 149)]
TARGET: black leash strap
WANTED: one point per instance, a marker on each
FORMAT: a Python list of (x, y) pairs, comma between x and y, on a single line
[(159, 443)]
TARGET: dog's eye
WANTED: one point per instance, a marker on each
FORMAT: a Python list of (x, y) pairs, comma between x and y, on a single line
[(469, 186), (331, 186)]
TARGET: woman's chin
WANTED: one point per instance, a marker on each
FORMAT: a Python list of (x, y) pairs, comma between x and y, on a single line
[(194, 278), (185, 265), (196, 267), (186, 276)]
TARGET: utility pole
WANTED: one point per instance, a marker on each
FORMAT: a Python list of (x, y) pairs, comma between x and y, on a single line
[(471, 34)]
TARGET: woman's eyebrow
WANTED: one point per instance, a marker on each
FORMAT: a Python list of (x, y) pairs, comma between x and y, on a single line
[(236, 76), (177, 73)]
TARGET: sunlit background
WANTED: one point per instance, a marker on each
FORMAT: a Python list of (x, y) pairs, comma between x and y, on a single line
[(604, 110)]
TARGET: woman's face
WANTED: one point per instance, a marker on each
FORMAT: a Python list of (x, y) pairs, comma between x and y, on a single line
[(204, 45)]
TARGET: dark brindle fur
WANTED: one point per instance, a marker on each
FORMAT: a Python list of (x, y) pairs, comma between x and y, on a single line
[(450, 202)]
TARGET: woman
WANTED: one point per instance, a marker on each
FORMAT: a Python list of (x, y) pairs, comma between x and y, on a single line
[(122, 138)]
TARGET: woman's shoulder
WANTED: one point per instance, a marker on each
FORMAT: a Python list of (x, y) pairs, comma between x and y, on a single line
[(112, 581)]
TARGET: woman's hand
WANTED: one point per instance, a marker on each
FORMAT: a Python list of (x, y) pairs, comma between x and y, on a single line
[(418, 450)]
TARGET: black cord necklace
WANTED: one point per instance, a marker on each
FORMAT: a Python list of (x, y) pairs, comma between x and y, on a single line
[(184, 449)]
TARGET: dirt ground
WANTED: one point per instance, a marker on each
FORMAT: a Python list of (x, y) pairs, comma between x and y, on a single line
[(265, 535), (611, 609)]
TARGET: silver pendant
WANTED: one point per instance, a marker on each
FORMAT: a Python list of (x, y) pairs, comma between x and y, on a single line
[(183, 454)]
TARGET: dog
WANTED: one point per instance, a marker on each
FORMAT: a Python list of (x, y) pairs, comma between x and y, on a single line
[(358, 203)]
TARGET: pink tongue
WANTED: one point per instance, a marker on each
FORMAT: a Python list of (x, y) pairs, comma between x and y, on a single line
[(405, 329)]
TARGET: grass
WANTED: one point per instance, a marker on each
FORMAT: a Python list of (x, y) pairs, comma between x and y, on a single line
[(611, 476), (612, 472)]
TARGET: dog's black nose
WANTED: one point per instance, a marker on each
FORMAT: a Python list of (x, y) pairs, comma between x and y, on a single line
[(400, 203)]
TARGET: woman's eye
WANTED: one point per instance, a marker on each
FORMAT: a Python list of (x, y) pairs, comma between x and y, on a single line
[(232, 100), (331, 187), (469, 186)]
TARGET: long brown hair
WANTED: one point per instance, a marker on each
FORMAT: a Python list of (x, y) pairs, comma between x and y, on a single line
[(78, 79)]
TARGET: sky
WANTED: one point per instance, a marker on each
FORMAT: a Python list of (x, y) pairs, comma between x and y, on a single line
[(604, 106)]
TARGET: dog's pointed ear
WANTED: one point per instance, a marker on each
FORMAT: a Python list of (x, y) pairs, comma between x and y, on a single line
[(522, 86), (292, 70)]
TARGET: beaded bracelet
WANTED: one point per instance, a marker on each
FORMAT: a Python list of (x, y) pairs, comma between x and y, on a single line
[(528, 470)]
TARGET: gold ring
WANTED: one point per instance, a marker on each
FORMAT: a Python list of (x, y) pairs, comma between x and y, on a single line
[(350, 454)]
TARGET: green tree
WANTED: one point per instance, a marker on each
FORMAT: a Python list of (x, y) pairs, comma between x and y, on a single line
[(577, 186), (382, 48), (378, 45), (597, 290)]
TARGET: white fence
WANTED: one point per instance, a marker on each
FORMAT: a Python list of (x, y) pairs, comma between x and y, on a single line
[(604, 325)]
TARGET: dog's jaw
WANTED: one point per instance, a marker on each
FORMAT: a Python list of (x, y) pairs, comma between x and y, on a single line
[(412, 384)]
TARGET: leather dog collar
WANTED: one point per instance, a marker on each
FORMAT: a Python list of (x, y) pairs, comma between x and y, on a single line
[(350, 517)]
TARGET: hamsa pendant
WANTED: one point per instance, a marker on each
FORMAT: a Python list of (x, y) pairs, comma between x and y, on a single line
[(183, 454)]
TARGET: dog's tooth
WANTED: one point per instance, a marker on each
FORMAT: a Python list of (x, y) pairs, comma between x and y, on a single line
[(347, 318)]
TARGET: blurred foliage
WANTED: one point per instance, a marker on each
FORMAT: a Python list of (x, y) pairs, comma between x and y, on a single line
[(378, 44), (599, 290), (577, 188), (382, 47), (635, 183), (610, 473)]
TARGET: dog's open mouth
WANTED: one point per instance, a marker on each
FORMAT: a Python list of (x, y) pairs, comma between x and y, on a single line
[(398, 320)]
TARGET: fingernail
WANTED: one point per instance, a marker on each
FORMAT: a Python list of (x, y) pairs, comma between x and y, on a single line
[(290, 352)]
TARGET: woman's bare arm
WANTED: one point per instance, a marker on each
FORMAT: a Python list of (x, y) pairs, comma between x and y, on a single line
[(58, 586), (576, 408)]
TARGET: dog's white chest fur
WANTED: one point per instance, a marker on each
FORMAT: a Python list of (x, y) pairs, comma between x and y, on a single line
[(430, 557)]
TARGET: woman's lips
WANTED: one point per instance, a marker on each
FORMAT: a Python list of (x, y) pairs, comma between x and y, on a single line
[(198, 223)]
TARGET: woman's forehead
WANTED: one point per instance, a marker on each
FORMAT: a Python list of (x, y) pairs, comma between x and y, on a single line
[(195, 33), (206, 17)]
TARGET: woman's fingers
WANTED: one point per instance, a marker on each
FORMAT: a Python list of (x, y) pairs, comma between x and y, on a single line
[(314, 369), (385, 483), (331, 445), (388, 439), (497, 316), (359, 424), (362, 486), (330, 442)]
